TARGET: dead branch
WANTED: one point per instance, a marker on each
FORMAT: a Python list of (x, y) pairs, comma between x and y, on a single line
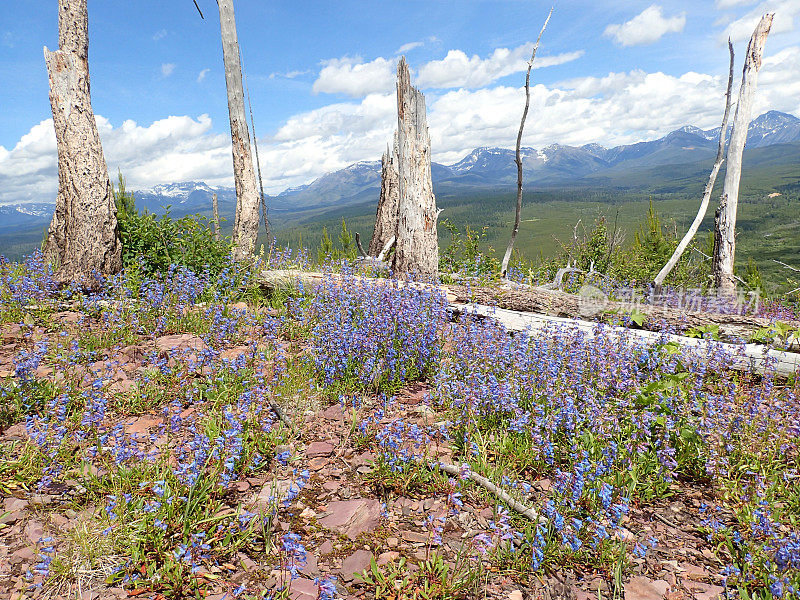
[(198, 9), (518, 213), (258, 163), (385, 250), (215, 208), (787, 266), (701, 213), (358, 245), (526, 511)]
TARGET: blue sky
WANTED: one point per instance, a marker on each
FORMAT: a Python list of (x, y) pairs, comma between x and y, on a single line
[(321, 79)]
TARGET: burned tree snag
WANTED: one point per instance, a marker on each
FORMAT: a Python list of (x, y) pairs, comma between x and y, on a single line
[(245, 228), (712, 178), (387, 215), (725, 220), (82, 238), (417, 249)]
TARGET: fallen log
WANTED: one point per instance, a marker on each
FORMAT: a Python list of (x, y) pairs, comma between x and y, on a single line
[(754, 358), (733, 327), (536, 310)]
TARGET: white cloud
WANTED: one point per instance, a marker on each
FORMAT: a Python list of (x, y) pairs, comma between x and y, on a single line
[(159, 35), (645, 28), (352, 77), (458, 70), (618, 108), (171, 149), (409, 47), (288, 74), (741, 29), (202, 75), (167, 69)]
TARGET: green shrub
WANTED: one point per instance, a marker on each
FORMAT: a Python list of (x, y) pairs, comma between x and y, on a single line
[(150, 244), (464, 255)]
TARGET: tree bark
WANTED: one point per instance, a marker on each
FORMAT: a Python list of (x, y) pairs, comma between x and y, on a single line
[(82, 238), (725, 219), (417, 250), (387, 215), (215, 207), (245, 227), (701, 212), (518, 160)]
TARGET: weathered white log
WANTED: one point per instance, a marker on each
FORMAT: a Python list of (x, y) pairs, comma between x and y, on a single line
[(518, 160), (388, 202), (725, 219), (245, 227), (82, 238), (712, 178), (753, 358), (215, 208), (417, 249)]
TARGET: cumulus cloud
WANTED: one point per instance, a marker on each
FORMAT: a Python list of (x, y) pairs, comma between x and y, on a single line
[(167, 69), (786, 13), (171, 149), (202, 75), (619, 108), (353, 77), (458, 70), (645, 28)]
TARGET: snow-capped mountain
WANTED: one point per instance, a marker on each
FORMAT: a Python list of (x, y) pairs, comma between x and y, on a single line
[(179, 191), (483, 167), (771, 128)]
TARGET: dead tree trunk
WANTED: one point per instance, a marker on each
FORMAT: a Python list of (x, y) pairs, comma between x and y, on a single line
[(245, 227), (417, 250), (518, 213), (701, 213), (215, 206), (82, 238), (387, 215), (725, 221)]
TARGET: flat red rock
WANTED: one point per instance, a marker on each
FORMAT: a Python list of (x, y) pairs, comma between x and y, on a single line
[(353, 517)]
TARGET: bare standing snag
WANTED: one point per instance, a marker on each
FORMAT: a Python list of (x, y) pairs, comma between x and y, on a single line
[(82, 238), (725, 221), (386, 217), (417, 250), (245, 228), (518, 213), (712, 178)]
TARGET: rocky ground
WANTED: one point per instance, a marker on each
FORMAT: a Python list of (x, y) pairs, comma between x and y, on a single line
[(345, 516)]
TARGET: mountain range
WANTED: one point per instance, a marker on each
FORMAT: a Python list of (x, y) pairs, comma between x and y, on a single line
[(555, 166)]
